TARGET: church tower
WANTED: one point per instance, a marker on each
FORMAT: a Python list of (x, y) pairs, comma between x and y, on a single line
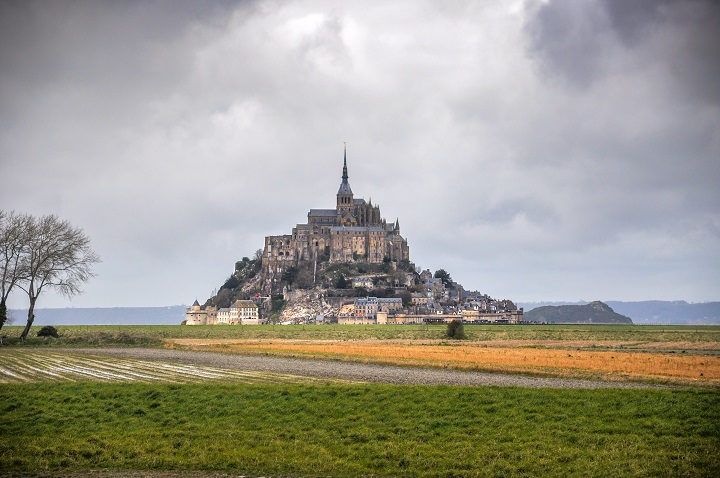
[(345, 194)]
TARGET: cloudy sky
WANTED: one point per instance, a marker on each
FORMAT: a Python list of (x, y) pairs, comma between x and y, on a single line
[(537, 150)]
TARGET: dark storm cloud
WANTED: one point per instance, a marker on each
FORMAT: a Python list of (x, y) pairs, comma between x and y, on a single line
[(570, 38), (577, 40), (656, 55)]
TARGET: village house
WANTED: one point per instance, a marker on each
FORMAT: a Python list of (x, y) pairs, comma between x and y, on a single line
[(239, 313), (363, 282), (369, 307)]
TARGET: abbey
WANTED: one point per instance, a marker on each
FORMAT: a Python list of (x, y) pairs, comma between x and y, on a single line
[(352, 232)]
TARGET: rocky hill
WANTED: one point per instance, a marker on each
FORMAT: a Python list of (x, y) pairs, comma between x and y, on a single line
[(593, 313), (310, 289)]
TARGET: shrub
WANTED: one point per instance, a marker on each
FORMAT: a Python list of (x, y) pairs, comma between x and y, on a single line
[(278, 303), (290, 274), (456, 330), (48, 331), (231, 282)]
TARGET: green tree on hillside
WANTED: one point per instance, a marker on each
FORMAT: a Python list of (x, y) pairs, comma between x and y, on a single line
[(240, 265), (290, 274), (304, 279), (231, 283), (406, 298), (341, 283), (444, 276)]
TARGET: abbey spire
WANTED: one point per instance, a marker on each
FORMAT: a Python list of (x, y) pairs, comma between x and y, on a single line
[(345, 185)]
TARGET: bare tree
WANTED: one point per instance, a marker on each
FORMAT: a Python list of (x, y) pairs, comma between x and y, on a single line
[(258, 255), (13, 235), (58, 256)]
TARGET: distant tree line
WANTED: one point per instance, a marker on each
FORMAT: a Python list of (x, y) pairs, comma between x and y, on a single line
[(38, 253)]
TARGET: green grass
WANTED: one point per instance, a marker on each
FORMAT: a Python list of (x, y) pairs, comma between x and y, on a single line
[(358, 430), (152, 335)]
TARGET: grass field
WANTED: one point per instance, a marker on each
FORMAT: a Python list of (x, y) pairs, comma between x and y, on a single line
[(358, 430), (74, 414), (133, 335)]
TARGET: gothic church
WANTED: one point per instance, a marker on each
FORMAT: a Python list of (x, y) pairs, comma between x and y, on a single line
[(352, 232)]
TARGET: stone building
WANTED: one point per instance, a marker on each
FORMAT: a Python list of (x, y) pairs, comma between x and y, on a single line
[(354, 231), (240, 312), (195, 315)]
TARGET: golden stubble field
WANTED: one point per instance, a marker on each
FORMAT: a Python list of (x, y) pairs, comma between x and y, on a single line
[(673, 362)]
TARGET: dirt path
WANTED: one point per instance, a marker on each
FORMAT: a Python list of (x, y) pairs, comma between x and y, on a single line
[(352, 371)]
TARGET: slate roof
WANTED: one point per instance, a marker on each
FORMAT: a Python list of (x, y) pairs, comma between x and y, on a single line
[(389, 300), (244, 304), (323, 212), (345, 188)]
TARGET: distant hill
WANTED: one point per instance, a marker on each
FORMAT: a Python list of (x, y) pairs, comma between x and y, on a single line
[(660, 312), (170, 315), (592, 313)]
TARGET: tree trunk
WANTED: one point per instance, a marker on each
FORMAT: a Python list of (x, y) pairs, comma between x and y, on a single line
[(31, 318), (3, 312)]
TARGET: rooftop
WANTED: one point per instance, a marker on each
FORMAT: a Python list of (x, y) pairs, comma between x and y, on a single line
[(323, 212)]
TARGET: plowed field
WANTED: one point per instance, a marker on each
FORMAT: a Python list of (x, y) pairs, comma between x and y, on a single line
[(34, 365)]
